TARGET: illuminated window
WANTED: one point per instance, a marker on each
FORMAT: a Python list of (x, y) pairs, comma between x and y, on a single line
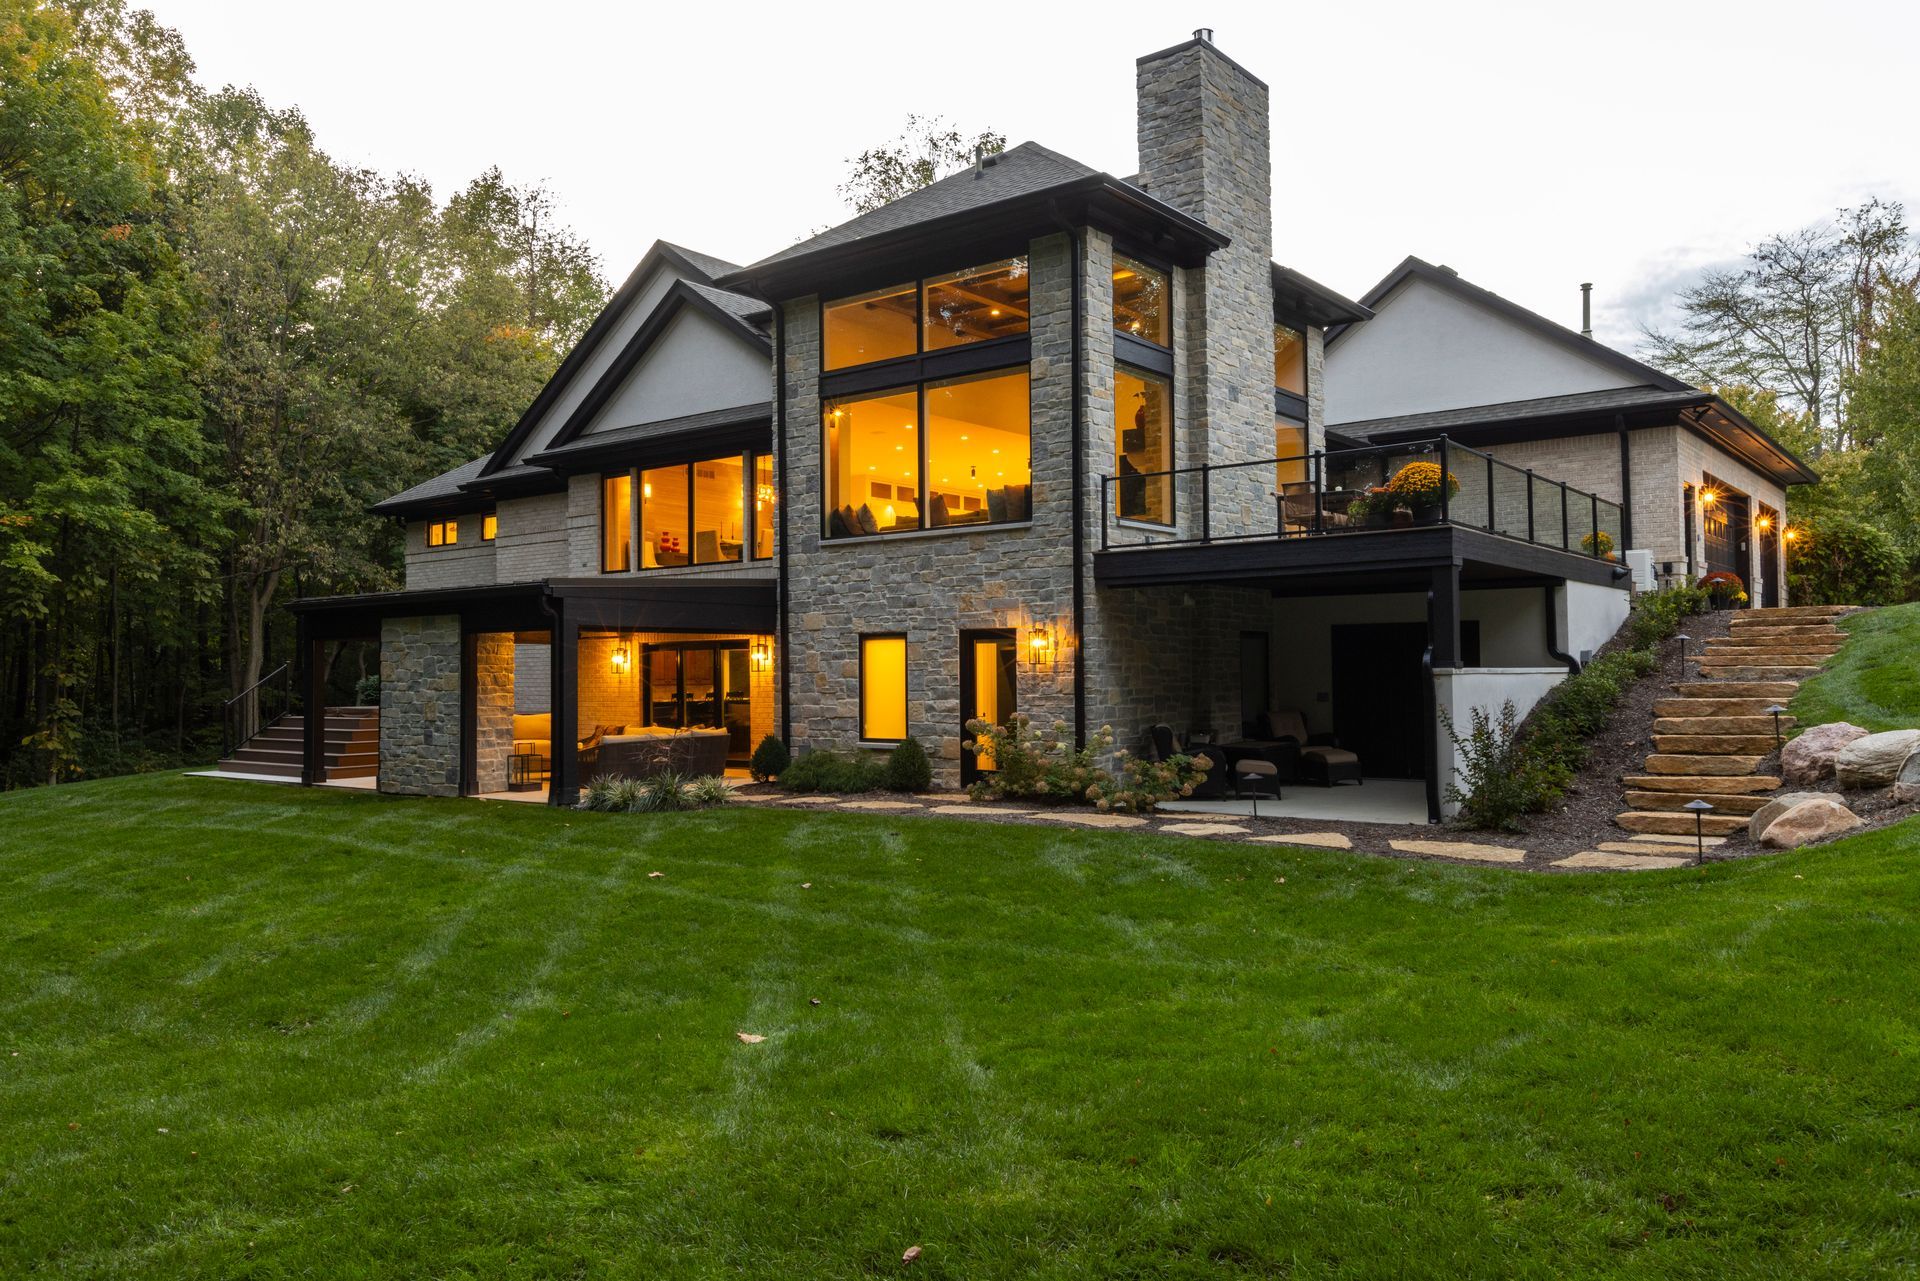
[(873, 457), (976, 304), (1290, 360), (1142, 301), (1145, 446), (883, 689), (489, 527), (616, 524), (443, 533), (979, 450), (1290, 447), (766, 500), (663, 518), (719, 520), (870, 326)]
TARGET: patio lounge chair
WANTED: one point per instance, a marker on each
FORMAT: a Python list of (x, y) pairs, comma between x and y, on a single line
[(1214, 785), (1320, 756)]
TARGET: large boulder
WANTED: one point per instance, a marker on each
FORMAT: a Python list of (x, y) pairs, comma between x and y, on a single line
[(1764, 816), (1809, 757), (1875, 761), (1906, 785), (1813, 820)]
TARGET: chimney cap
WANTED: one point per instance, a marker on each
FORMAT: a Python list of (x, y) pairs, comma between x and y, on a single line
[(1203, 33)]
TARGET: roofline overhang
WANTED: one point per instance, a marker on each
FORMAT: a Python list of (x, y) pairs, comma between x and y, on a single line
[(1099, 200), (592, 453), (1300, 297)]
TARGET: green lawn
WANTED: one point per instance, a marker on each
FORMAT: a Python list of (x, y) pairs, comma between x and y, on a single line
[(1875, 681), (249, 1031)]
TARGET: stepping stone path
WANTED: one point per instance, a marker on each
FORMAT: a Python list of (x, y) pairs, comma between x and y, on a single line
[(1709, 740), (1463, 850), (1319, 840), (1204, 829), (1609, 862)]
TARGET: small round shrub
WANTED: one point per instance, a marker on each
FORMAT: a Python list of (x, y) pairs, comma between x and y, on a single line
[(833, 772), (769, 760), (908, 769)]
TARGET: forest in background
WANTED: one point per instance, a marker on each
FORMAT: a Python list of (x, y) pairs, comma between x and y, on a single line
[(219, 346)]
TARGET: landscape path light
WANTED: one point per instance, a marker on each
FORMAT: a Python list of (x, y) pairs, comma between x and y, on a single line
[(1700, 810), (1776, 711)]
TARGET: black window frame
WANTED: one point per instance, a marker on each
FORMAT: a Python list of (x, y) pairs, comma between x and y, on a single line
[(1144, 351), (633, 511), (920, 355), (906, 686), (443, 524), (1286, 404), (1173, 451)]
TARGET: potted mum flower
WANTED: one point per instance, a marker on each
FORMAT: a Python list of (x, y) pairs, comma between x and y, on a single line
[(1724, 589), (1598, 543), (1419, 486)]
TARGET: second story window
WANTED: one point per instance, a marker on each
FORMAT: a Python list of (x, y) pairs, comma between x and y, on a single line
[(489, 527), (616, 524), (1289, 360), (443, 533), (968, 306), (1144, 425), (1142, 301)]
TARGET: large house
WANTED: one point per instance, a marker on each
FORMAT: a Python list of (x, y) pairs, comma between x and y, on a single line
[(1038, 439)]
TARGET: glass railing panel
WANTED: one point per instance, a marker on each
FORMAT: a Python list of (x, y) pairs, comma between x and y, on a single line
[(1549, 513), (1510, 486), (1472, 501)]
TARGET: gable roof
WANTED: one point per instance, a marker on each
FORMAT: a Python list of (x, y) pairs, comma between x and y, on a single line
[(1015, 187), (690, 263), (1448, 280)]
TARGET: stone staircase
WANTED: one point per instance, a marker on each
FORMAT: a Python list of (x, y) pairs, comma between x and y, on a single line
[(350, 745), (1710, 738)]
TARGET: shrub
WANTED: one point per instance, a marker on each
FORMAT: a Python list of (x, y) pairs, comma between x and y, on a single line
[(366, 691), (1144, 784), (908, 769), (1835, 562), (711, 790), (1658, 615), (1503, 781), (1724, 588), (657, 793), (1036, 766), (769, 760), (610, 794), (833, 772)]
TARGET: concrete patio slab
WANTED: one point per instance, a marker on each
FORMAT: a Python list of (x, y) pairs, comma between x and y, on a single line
[(1378, 800)]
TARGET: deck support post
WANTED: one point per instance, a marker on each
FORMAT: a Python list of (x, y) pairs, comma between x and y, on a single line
[(311, 677), (1443, 653), (563, 765)]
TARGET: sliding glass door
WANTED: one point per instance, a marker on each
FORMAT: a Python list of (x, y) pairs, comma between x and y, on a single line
[(702, 685)]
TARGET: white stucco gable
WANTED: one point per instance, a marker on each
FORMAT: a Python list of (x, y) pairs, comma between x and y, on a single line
[(695, 364), (1432, 347)]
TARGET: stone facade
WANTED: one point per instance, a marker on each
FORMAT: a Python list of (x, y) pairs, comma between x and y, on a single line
[(420, 705), (493, 704)]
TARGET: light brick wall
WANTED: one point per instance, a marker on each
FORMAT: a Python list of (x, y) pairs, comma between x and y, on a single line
[(533, 539), (420, 705), (469, 562)]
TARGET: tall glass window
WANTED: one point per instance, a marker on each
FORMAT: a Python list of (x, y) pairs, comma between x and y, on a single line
[(1142, 301), (979, 450), (878, 325), (976, 304), (1290, 447), (663, 517), (1290, 360), (766, 499), (616, 524), (1144, 423), (873, 461), (719, 519), (883, 688)]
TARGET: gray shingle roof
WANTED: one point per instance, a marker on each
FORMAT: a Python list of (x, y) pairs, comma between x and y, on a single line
[(713, 267), (751, 310), (445, 485), (1440, 420), (712, 419), (1022, 171)]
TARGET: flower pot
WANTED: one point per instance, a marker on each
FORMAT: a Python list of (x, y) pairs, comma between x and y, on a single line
[(1426, 514), (1402, 518)]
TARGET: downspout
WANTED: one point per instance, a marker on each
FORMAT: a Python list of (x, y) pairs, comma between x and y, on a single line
[(1079, 503), (1553, 632)]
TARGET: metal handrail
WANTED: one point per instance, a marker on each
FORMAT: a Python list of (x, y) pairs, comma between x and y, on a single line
[(256, 685), (231, 740)]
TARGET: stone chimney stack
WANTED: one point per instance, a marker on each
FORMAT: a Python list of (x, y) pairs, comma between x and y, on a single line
[(1205, 150)]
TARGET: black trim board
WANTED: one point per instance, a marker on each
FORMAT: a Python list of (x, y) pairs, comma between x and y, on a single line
[(631, 602)]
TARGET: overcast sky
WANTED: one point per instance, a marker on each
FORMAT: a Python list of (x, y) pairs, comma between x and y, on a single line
[(1530, 146)]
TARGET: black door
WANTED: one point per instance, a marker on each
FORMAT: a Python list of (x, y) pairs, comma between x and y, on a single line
[(988, 690), (1255, 679), (1767, 556), (1380, 696), (1726, 528)]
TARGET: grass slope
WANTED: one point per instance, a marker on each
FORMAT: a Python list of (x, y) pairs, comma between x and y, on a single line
[(1874, 681), (249, 1031)]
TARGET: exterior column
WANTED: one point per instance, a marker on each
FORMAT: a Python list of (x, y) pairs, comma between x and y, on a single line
[(1443, 652), (310, 666), (563, 777)]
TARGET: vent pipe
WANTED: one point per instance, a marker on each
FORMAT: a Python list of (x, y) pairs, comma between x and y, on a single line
[(1203, 33), (1586, 310)]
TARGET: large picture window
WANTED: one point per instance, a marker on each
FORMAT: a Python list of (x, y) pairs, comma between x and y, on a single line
[(1142, 301), (1289, 360), (616, 524), (663, 517), (1144, 425), (883, 689), (968, 306), (957, 452)]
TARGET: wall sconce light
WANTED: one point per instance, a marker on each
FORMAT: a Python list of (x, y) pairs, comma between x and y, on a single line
[(1042, 646), (1763, 523), (1708, 498), (1792, 535), (760, 654), (622, 659)]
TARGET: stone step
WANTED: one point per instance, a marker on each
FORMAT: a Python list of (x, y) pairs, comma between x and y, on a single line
[(352, 771), (1696, 784), (1789, 631), (1738, 671), (1772, 691), (1716, 707), (1700, 763), (1795, 611), (1713, 744), (1722, 802), (1767, 640), (1750, 724), (1769, 653), (1679, 824)]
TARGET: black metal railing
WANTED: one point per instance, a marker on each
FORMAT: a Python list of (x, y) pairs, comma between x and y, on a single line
[(247, 713), (1344, 491)]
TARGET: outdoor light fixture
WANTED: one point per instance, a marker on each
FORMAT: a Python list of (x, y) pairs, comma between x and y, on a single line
[(622, 660), (1708, 498), (1776, 711), (1792, 535), (761, 655), (1041, 646), (1764, 522), (1700, 810), (1683, 638)]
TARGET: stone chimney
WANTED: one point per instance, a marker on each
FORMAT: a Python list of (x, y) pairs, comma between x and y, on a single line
[(1205, 150)]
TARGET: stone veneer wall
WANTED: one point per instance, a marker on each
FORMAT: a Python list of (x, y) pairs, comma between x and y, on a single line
[(493, 692), (932, 585), (420, 705)]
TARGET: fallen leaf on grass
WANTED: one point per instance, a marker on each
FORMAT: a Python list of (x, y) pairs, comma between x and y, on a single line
[(813, 1000), (806, 885), (749, 1038), (913, 1252), (651, 875)]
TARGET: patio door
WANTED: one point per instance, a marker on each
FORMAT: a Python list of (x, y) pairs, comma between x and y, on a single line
[(989, 690), (701, 685), (1726, 525), (1255, 679)]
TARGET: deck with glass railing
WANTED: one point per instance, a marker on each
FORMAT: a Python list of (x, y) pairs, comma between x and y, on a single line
[(1339, 492)]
